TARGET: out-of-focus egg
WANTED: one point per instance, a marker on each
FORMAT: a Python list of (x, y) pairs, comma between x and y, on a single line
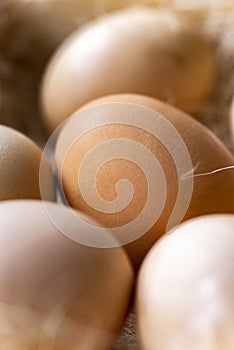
[(185, 296), (22, 167), (138, 166), (30, 24), (56, 293), (232, 120), (30, 31), (147, 51), (199, 5)]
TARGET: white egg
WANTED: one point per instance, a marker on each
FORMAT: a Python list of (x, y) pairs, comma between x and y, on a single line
[(185, 297)]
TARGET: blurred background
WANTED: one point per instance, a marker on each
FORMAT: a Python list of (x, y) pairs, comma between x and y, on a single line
[(31, 30)]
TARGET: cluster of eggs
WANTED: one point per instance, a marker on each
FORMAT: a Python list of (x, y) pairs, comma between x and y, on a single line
[(130, 168)]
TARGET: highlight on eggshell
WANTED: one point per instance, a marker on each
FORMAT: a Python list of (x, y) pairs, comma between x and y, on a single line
[(55, 293), (29, 27), (185, 291), (30, 31), (43, 24), (124, 150), (140, 167), (21, 164), (148, 51)]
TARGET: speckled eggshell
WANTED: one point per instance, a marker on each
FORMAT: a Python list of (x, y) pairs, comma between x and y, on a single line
[(85, 182), (21, 164)]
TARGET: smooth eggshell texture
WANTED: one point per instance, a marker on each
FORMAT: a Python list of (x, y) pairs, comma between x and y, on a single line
[(146, 51), (232, 121), (42, 25), (185, 295), (21, 164), (55, 293), (30, 31), (201, 5), (213, 193)]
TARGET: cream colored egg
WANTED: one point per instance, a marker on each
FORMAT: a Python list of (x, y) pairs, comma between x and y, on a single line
[(31, 24), (140, 167), (56, 293), (30, 31), (147, 51), (185, 296), (21, 164), (200, 5)]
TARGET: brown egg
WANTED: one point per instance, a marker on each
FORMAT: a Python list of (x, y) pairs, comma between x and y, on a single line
[(232, 120), (185, 294), (142, 50), (22, 165), (140, 167), (55, 292)]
